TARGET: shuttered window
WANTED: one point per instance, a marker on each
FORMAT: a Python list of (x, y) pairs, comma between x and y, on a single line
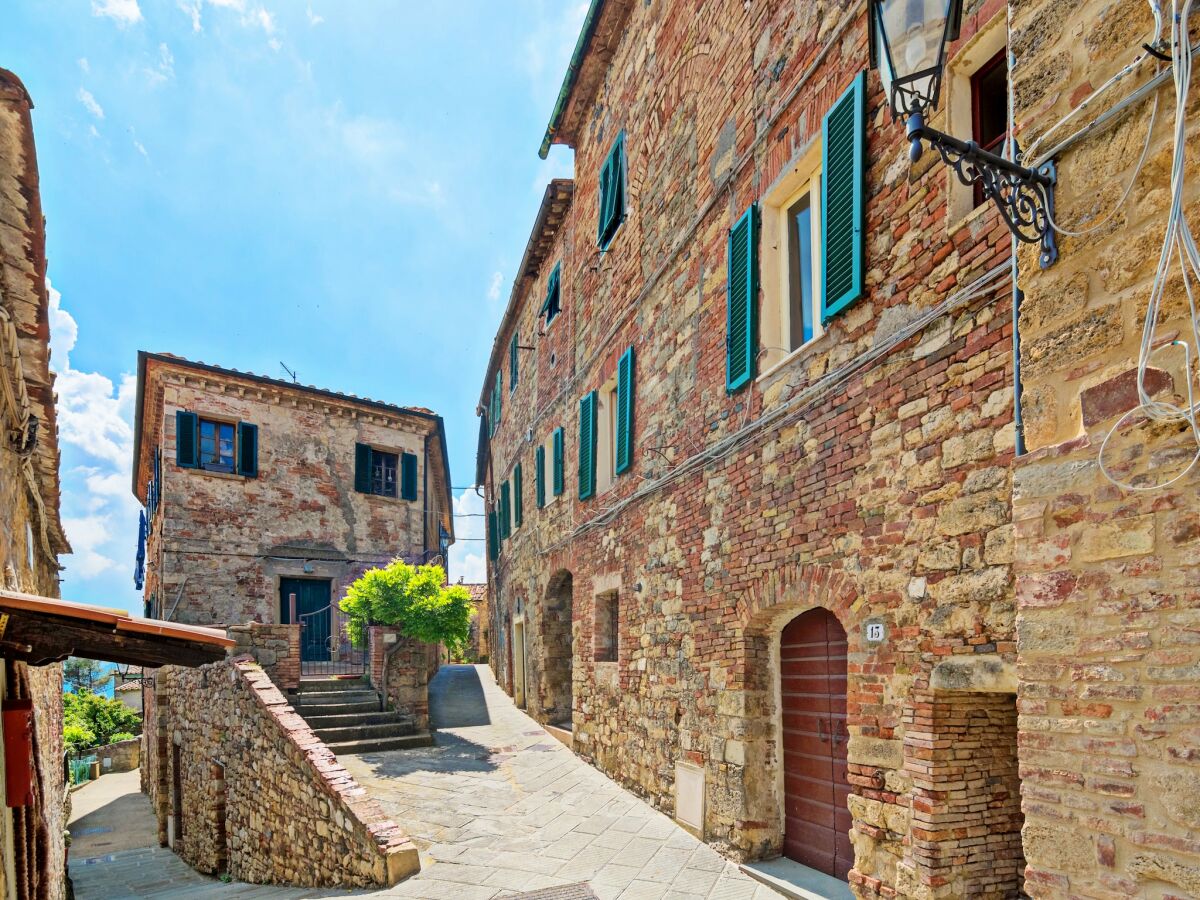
[(247, 451), (612, 192), (186, 453), (362, 468), (553, 304), (842, 207), (587, 446), (505, 512), (741, 334), (539, 475), (558, 481), (512, 364), (408, 476), (493, 536), (518, 501), (626, 397)]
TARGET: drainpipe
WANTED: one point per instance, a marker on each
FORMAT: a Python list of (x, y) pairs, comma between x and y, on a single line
[(1018, 422)]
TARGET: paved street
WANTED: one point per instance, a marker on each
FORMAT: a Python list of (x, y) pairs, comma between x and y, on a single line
[(499, 806)]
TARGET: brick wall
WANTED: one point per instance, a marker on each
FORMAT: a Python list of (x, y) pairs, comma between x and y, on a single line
[(232, 732)]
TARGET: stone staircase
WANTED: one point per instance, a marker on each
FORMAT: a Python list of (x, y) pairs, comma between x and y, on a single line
[(348, 715)]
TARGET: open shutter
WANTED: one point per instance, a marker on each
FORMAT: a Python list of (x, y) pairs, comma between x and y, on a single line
[(558, 462), (512, 363), (505, 512), (518, 490), (741, 333), (842, 231), (626, 397), (247, 456), (587, 446), (493, 536), (185, 439), (363, 463), (605, 193), (539, 475), (408, 476)]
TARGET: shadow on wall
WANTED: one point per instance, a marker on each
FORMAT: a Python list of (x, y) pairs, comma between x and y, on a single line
[(456, 698)]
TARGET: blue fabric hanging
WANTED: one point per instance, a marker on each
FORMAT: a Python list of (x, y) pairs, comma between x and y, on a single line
[(139, 569)]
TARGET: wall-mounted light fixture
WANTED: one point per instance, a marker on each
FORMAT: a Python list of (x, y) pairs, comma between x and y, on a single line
[(908, 46)]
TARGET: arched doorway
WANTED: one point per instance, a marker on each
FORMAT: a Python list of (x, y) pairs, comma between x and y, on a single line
[(812, 661), (557, 651)]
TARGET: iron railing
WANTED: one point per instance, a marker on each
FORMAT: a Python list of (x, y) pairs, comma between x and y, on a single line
[(325, 647)]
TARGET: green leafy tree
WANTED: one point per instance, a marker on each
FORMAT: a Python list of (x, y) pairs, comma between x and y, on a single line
[(85, 713), (417, 599), (85, 674)]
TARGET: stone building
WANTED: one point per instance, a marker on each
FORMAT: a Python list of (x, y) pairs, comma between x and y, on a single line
[(265, 499), (747, 442)]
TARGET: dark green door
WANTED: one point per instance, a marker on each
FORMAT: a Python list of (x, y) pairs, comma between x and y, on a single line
[(312, 612)]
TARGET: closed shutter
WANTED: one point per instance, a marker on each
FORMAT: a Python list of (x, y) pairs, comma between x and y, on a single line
[(499, 395), (493, 536), (518, 502), (247, 459), (626, 397), (842, 207), (512, 363), (185, 439), (539, 475), (505, 512), (362, 468), (587, 446), (408, 476), (741, 334), (558, 481)]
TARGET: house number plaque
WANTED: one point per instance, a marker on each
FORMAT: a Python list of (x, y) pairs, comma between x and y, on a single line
[(875, 632)]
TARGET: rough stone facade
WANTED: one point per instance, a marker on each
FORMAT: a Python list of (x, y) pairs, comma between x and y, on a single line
[(240, 784), (123, 756), (32, 847), (221, 542), (870, 474), (400, 669), (274, 647), (1108, 617)]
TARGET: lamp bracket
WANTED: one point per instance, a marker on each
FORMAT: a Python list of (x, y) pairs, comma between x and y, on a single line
[(1024, 197)]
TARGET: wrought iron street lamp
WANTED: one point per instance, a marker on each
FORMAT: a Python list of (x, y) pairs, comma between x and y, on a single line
[(908, 45)]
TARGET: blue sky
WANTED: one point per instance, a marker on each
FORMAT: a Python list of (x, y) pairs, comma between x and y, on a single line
[(344, 186)]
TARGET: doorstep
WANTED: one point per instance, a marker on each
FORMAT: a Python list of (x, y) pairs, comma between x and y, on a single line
[(564, 735), (799, 882)]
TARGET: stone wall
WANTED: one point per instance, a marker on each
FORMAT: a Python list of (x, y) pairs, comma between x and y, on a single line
[(882, 495), (239, 782), (1108, 612), (400, 668), (123, 756), (274, 647)]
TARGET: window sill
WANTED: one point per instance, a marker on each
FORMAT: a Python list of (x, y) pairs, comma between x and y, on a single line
[(802, 352), (215, 473)]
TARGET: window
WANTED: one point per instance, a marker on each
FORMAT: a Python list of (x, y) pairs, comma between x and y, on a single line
[(803, 315), (539, 476), (989, 108), (612, 192), (216, 445), (606, 436), (513, 365), (606, 628), (556, 456), (553, 305), (383, 473), (518, 501)]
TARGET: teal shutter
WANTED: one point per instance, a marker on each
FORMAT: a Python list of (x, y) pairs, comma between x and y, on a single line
[(539, 475), (247, 458), (493, 537), (185, 439), (626, 397), (408, 476), (553, 302), (558, 462), (512, 364), (362, 468), (842, 192), (518, 502), (741, 292), (499, 395), (587, 446), (505, 512), (612, 192)]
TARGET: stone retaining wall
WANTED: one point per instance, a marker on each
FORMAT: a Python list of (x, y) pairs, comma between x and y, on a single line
[(274, 647), (400, 669), (123, 756), (241, 784)]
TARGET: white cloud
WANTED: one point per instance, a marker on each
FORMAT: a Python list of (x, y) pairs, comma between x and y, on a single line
[(84, 66), (494, 285), (141, 148), (274, 43), (265, 19), (313, 18), (470, 525), (164, 69), (192, 10), (86, 534), (89, 103), (124, 12)]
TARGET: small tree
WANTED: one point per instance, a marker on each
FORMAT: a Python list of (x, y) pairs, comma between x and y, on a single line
[(417, 599), (85, 674), (90, 720)]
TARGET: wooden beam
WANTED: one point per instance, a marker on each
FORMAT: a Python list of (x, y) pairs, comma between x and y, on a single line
[(51, 638)]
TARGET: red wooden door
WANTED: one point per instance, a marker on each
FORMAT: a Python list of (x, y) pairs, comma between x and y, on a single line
[(813, 681)]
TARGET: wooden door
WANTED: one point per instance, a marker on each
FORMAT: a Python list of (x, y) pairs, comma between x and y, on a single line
[(813, 693), (313, 597), (519, 664)]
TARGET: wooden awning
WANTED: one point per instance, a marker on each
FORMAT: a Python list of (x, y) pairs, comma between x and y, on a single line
[(40, 630)]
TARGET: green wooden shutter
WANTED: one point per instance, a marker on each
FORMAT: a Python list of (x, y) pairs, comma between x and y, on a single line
[(539, 475), (626, 397), (505, 512), (363, 463), (612, 192), (558, 481), (247, 458), (587, 446), (493, 536), (499, 395), (842, 193), (512, 364), (741, 292), (408, 476), (518, 500), (185, 439)]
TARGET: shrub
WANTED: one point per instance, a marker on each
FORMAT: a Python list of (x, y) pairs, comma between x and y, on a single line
[(99, 717), (417, 599)]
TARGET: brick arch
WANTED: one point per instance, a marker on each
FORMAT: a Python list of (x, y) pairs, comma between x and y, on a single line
[(792, 589)]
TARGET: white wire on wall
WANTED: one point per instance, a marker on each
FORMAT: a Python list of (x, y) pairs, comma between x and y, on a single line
[(1178, 246)]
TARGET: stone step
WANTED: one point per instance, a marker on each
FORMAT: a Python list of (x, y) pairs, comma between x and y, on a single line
[(325, 698), (377, 745), (319, 685), (339, 720), (392, 729), (337, 709)]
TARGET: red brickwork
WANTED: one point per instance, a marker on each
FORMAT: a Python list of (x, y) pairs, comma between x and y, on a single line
[(274, 647)]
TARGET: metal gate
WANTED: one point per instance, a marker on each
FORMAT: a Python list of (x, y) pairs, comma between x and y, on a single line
[(325, 647)]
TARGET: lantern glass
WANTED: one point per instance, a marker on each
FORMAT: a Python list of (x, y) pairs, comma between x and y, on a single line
[(911, 38)]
